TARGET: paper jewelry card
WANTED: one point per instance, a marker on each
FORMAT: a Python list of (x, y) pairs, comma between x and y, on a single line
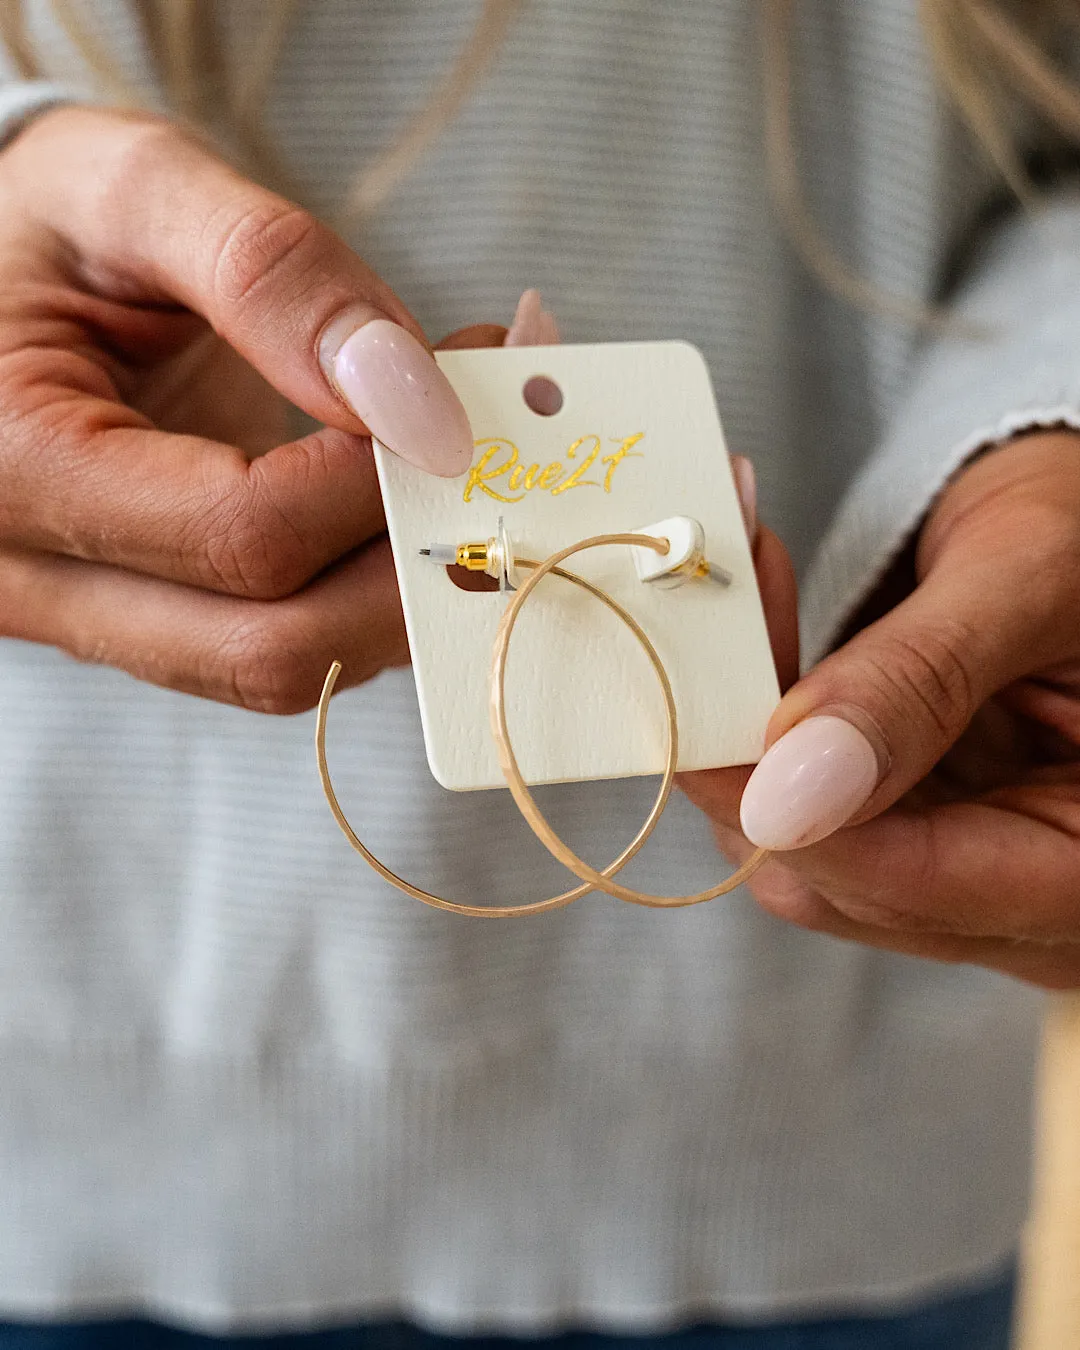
[(636, 441)]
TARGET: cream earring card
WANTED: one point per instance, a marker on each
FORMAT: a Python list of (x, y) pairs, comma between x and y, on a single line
[(637, 440)]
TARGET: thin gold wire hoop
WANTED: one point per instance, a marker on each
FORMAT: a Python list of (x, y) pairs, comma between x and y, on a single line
[(555, 901), (526, 803)]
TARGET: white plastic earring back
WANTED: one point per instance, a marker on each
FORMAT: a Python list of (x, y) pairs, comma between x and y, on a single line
[(684, 560)]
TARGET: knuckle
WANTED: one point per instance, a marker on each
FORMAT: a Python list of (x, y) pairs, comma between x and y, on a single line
[(271, 241), (138, 152), (246, 545), (246, 560), (928, 675), (262, 667)]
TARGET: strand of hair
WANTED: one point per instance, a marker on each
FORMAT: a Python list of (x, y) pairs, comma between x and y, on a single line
[(375, 184)]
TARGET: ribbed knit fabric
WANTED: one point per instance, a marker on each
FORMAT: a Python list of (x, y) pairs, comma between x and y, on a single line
[(244, 1083)]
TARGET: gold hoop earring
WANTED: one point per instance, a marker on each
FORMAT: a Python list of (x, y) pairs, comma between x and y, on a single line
[(496, 555), (526, 803), (631, 850)]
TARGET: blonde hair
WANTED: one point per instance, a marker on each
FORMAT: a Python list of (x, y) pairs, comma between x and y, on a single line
[(991, 64), (183, 40), (993, 68)]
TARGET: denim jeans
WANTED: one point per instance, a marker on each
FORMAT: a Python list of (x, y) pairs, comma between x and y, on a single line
[(976, 1319)]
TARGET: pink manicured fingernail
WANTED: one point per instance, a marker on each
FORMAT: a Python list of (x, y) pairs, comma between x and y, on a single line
[(547, 331), (746, 486), (809, 783), (532, 325), (392, 383)]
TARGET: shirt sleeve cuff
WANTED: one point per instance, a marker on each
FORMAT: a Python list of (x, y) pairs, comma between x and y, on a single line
[(967, 394)]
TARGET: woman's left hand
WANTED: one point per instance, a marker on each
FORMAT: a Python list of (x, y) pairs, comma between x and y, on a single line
[(923, 782)]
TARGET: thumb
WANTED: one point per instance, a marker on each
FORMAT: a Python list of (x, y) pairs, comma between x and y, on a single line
[(863, 727), (162, 219)]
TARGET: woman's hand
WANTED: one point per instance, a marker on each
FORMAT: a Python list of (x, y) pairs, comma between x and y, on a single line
[(948, 744), (156, 312)]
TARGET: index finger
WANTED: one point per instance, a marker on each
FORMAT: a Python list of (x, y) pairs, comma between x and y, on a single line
[(1004, 866), (185, 508), (151, 214)]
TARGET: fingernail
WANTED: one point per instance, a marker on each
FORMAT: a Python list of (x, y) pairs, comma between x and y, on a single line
[(746, 486), (547, 330), (532, 325), (392, 383), (809, 783)]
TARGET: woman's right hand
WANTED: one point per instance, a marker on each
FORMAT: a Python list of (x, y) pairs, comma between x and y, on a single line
[(156, 312)]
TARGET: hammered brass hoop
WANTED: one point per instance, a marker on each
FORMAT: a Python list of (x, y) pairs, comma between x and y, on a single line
[(526, 803), (635, 845)]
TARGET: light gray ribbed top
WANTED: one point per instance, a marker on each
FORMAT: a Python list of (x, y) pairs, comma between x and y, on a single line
[(244, 1081)]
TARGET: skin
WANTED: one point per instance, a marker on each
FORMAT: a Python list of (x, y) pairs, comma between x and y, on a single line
[(965, 675), (157, 311)]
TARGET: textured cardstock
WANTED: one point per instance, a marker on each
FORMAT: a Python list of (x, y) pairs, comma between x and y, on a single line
[(638, 439)]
